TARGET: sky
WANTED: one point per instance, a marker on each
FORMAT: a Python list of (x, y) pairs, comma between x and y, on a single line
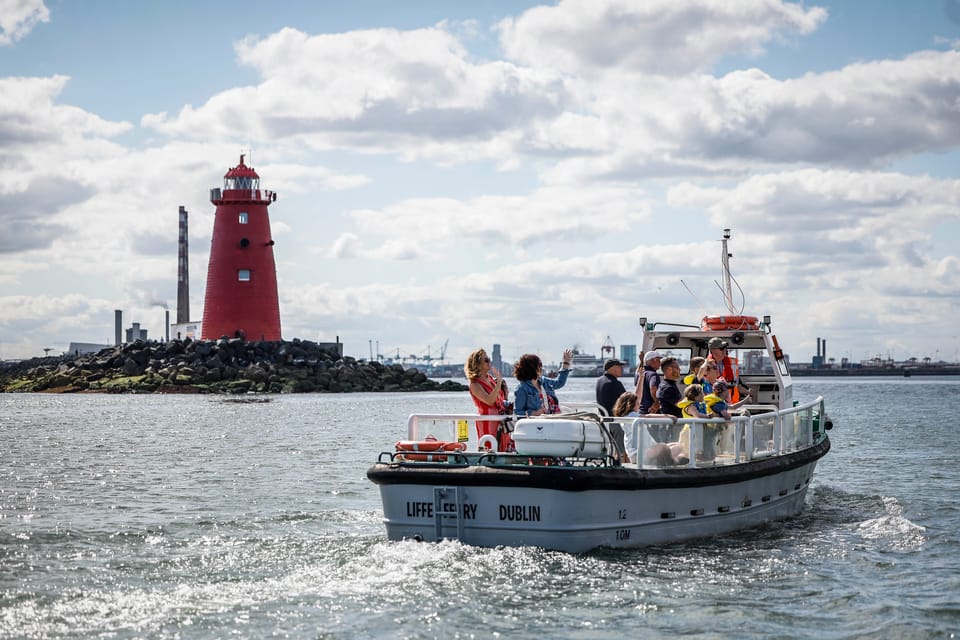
[(454, 174)]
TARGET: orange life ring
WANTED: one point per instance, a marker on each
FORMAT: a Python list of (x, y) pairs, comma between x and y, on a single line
[(730, 323), (429, 445)]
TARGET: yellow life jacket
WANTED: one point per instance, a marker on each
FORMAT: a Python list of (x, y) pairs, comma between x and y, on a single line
[(699, 406), (710, 401)]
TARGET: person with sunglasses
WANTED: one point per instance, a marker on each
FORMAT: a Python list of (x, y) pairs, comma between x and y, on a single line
[(708, 376), (729, 368), (489, 394)]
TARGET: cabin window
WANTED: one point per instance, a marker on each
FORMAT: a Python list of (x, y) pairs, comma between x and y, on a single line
[(244, 218), (243, 275), (753, 362), (682, 356)]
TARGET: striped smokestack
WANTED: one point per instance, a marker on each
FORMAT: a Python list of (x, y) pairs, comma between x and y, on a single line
[(183, 272)]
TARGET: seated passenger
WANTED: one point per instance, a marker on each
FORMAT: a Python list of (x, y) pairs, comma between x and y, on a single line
[(661, 454)]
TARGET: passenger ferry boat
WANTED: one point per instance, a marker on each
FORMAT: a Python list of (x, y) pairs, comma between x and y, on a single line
[(585, 365), (564, 487)]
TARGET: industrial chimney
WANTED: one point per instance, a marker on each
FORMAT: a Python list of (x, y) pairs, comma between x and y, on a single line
[(183, 274), (117, 326)]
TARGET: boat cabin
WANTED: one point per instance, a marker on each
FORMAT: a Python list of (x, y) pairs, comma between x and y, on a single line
[(751, 344)]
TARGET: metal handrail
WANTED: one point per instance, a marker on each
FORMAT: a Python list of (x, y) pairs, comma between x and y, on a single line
[(743, 429), (802, 426)]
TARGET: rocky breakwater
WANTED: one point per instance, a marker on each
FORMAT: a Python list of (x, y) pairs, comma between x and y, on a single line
[(221, 366)]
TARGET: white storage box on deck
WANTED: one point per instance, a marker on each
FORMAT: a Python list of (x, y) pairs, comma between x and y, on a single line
[(556, 437)]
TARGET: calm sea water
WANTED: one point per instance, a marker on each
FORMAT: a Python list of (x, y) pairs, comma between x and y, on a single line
[(195, 517)]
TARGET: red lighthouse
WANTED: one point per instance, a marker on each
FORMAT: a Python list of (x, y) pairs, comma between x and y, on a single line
[(241, 298)]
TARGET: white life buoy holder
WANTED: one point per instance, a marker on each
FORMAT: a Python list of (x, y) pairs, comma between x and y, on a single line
[(492, 440)]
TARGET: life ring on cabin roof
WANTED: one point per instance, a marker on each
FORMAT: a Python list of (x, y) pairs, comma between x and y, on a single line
[(430, 445), (729, 323)]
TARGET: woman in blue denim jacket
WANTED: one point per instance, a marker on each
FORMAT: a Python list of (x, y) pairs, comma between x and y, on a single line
[(536, 393)]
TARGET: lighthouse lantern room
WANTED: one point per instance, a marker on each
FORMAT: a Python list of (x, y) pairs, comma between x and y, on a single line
[(241, 296)]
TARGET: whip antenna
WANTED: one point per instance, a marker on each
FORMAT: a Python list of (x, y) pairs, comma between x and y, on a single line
[(699, 304)]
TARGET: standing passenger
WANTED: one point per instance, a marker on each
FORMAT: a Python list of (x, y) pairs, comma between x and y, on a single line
[(638, 374), (609, 387), (550, 385), (693, 405), (535, 395), (694, 373), (709, 375), (609, 390), (729, 369), (669, 393), (649, 383), (489, 394)]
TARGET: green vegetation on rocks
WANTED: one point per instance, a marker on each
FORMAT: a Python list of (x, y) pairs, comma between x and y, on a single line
[(232, 366)]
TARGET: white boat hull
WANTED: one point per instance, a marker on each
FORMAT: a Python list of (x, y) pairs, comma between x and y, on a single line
[(569, 519)]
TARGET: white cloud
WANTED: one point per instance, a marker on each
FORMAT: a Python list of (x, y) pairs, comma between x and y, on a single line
[(864, 115), (418, 94), (547, 216), (831, 202), (19, 17), (653, 37), (376, 89), (863, 239)]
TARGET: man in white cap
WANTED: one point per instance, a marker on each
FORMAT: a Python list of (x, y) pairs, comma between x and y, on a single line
[(649, 383)]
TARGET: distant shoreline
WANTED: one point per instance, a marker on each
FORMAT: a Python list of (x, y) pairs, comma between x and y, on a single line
[(868, 373)]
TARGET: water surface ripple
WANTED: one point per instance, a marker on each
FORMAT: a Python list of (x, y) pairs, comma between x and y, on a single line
[(197, 517)]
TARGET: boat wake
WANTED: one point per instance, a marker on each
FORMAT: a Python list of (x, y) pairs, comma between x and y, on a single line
[(875, 518)]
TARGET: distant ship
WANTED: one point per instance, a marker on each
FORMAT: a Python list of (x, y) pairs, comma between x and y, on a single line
[(585, 365)]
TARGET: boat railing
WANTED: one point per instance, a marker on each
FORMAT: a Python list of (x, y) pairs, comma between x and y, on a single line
[(761, 431), (452, 427), (458, 426)]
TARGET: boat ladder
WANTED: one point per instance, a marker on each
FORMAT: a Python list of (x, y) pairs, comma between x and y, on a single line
[(442, 509)]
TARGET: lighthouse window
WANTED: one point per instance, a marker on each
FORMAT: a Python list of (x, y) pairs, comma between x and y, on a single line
[(243, 275), (243, 217)]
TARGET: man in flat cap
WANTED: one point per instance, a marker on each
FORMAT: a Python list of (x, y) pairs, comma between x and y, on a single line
[(609, 387), (729, 369)]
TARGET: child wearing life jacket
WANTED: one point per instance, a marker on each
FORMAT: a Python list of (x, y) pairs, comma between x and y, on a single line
[(719, 405), (718, 401), (693, 375), (693, 406)]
